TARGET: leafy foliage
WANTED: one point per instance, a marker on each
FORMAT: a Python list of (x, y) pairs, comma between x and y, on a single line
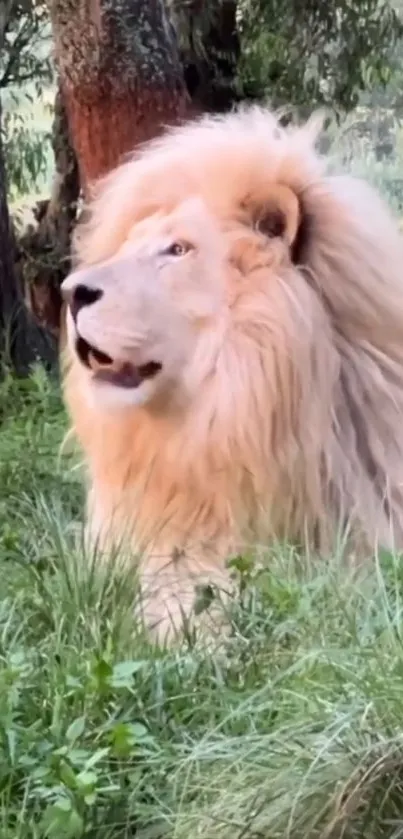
[(26, 148), (316, 53), (24, 39), (25, 71)]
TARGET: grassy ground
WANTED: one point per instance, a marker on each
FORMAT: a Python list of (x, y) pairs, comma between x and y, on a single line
[(296, 733)]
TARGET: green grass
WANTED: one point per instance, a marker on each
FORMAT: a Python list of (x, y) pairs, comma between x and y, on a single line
[(297, 731)]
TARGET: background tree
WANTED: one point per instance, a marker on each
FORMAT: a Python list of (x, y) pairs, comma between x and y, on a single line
[(120, 76), (9, 297), (316, 53), (126, 68), (293, 53), (20, 338), (210, 50), (25, 71), (41, 252)]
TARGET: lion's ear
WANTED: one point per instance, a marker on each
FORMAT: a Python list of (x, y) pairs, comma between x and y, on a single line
[(280, 215)]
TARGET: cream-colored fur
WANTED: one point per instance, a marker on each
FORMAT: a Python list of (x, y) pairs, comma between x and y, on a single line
[(278, 412)]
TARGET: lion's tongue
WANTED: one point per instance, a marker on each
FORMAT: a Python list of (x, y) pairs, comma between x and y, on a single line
[(126, 375)]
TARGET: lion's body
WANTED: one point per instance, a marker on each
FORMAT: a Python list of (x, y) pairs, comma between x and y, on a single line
[(295, 426)]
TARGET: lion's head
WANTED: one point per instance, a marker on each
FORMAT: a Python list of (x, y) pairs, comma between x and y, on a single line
[(151, 305), (236, 340), (142, 322)]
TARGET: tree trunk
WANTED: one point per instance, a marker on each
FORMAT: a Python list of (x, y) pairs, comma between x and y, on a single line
[(21, 341), (8, 292), (121, 77), (44, 252), (209, 49)]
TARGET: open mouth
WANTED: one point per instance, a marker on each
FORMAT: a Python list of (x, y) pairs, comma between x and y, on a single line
[(119, 373)]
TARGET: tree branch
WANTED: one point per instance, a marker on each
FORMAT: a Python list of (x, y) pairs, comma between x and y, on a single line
[(5, 9), (22, 40)]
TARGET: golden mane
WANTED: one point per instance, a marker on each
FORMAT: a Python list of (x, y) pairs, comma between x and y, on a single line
[(300, 430)]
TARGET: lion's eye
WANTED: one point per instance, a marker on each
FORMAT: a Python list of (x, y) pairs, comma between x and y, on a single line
[(177, 249)]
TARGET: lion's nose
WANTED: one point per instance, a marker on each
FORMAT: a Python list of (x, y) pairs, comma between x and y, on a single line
[(80, 296)]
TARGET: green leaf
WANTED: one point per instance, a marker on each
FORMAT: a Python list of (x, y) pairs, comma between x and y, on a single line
[(139, 731), (126, 736), (75, 729), (96, 757), (67, 775), (87, 779), (102, 672), (60, 821), (123, 672), (63, 804)]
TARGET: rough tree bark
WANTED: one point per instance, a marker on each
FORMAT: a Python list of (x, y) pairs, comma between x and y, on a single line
[(120, 74)]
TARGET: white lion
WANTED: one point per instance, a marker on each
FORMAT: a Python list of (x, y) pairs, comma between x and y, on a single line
[(235, 353)]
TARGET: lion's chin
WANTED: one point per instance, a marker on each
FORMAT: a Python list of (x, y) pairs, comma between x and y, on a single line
[(107, 394)]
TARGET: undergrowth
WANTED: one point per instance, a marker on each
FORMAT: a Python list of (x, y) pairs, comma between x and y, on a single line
[(296, 731)]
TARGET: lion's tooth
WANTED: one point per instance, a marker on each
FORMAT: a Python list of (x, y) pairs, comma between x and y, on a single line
[(94, 364)]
